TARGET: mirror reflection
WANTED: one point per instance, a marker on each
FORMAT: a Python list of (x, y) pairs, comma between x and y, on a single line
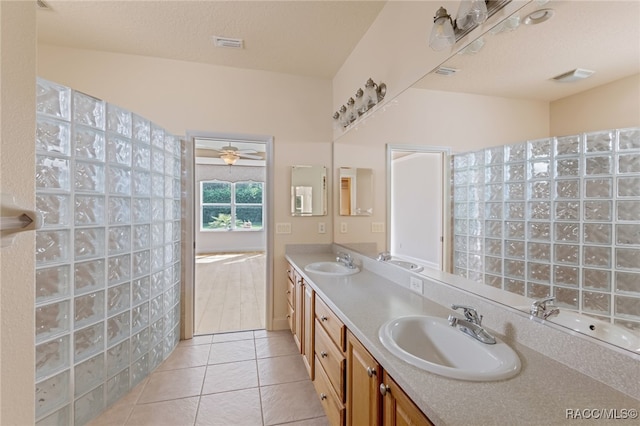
[(504, 94), (356, 191), (417, 225), (308, 191)]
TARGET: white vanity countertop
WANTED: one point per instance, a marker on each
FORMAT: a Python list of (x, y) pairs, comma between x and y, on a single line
[(541, 393)]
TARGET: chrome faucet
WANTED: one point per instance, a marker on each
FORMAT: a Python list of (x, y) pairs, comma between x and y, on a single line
[(345, 259), (383, 256), (539, 308), (471, 325)]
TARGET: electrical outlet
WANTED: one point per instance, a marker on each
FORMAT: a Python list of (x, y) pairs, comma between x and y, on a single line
[(283, 228), (321, 228), (415, 284), (377, 227), (343, 227)]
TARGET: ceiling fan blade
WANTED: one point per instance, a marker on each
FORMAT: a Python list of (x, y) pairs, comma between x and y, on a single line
[(250, 156), (246, 151)]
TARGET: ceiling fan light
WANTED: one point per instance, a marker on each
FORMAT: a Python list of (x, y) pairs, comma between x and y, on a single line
[(229, 158)]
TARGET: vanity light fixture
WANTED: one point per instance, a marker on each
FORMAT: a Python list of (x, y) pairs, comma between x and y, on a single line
[(471, 13), (229, 158), (365, 100)]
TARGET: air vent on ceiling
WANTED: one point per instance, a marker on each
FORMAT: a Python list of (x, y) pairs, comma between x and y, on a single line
[(573, 75), (231, 43), (41, 5), (446, 71)]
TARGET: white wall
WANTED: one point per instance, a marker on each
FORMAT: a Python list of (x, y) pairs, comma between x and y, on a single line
[(610, 106), (185, 96), (17, 177)]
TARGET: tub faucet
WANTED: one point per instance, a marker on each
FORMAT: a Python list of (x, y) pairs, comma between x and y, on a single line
[(383, 256), (345, 259), (471, 324), (539, 308)]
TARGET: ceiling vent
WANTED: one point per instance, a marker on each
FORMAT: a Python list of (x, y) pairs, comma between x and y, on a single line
[(573, 75), (41, 5), (446, 71), (230, 43)]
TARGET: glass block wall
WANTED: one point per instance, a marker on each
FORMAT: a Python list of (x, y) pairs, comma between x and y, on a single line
[(557, 216), (108, 255)]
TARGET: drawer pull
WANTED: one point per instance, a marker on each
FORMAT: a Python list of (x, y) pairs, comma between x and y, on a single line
[(384, 389), (323, 396), (288, 291), (371, 372), (323, 318), (288, 316), (323, 354)]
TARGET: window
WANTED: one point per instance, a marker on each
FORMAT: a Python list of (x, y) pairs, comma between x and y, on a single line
[(228, 206)]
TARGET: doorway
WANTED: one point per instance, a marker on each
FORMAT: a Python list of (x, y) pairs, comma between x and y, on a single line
[(229, 257), (418, 219)]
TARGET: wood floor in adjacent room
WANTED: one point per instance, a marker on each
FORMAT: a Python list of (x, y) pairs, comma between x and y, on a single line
[(229, 292)]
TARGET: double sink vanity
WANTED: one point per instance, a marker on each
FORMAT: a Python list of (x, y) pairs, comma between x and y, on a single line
[(381, 350)]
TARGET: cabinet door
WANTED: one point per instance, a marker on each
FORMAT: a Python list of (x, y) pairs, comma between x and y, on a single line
[(308, 329), (298, 336), (363, 378), (397, 408)]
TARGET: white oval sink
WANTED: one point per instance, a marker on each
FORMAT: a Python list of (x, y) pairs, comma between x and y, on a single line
[(432, 344), (602, 330), (331, 268)]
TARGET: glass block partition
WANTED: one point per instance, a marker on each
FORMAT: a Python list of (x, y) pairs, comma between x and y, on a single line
[(108, 255), (557, 216)]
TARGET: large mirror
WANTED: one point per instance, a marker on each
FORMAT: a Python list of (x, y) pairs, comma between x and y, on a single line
[(504, 94), (356, 191), (308, 191)]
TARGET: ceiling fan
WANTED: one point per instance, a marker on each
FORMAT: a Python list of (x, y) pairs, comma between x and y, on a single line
[(231, 154)]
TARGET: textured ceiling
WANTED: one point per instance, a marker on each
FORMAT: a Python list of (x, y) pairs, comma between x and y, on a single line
[(308, 38), (602, 36)]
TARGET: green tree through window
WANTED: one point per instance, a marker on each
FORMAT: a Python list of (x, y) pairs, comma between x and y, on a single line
[(228, 206)]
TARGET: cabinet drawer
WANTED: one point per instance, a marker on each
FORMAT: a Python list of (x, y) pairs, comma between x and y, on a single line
[(331, 359), (291, 318), (333, 408), (330, 322), (290, 294)]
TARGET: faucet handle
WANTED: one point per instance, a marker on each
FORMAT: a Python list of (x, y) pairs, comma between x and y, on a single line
[(470, 313), (540, 306)]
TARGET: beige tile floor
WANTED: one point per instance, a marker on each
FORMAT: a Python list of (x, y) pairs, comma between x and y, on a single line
[(244, 378), (229, 292)]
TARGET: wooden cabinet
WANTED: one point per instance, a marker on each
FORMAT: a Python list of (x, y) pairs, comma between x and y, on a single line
[(363, 381), (301, 312), (330, 362), (397, 408), (348, 380)]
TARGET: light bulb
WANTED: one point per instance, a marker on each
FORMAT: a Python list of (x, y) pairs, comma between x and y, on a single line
[(471, 13), (442, 35)]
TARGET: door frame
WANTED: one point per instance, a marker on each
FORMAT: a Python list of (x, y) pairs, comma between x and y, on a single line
[(189, 220)]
